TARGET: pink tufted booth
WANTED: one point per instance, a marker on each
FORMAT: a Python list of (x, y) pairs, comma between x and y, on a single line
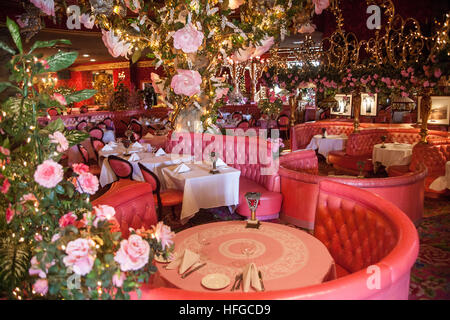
[(300, 189), (360, 229), (433, 155), (258, 169), (133, 202), (360, 146)]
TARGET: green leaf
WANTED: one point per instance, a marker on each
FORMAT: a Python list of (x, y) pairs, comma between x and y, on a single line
[(61, 60), (48, 44), (57, 125), (75, 137), (5, 47), (80, 95), (59, 189), (15, 33)]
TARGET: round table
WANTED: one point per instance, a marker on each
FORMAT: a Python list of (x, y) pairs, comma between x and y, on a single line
[(327, 144), (287, 257), (395, 154)]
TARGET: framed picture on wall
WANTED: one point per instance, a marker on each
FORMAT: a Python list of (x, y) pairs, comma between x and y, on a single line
[(440, 110), (369, 104), (343, 106)]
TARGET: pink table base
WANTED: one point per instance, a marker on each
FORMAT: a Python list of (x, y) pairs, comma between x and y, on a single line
[(287, 257)]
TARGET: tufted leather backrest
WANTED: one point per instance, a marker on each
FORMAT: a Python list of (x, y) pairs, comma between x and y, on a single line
[(302, 133), (134, 205), (353, 228), (301, 161), (251, 155), (121, 167), (432, 155)]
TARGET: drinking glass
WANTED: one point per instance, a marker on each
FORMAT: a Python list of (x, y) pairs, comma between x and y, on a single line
[(203, 240), (248, 248)]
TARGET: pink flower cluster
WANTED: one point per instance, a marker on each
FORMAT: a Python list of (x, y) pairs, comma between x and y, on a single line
[(36, 270), (87, 183), (67, 219), (115, 46), (80, 256), (163, 234), (186, 82), (60, 140), (103, 212), (320, 5), (60, 98)]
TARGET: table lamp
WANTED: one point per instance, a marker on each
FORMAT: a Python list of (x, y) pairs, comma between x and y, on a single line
[(253, 201)]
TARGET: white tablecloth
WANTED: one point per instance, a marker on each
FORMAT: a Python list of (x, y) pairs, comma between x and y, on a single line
[(443, 182), (202, 189), (325, 145), (149, 160), (395, 154)]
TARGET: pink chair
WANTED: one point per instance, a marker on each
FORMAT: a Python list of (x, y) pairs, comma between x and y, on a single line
[(244, 124), (237, 116), (360, 230), (93, 168), (97, 145), (283, 126), (81, 125), (121, 167), (96, 133), (134, 205)]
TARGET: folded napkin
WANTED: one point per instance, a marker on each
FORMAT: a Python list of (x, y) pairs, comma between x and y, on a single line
[(160, 152), (184, 261), (134, 157), (251, 278), (136, 145), (107, 147), (181, 168), (220, 163)]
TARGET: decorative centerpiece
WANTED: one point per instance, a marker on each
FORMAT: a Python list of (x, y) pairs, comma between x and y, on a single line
[(383, 139), (360, 165), (214, 161), (253, 201)]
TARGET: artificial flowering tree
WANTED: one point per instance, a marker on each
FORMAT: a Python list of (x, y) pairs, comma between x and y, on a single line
[(53, 243)]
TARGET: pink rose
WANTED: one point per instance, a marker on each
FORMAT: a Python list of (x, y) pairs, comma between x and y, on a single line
[(80, 168), (41, 285), (266, 44), (426, 84), (10, 213), (28, 197), (186, 82), (320, 5), (404, 73), (48, 174), (80, 256), (242, 55), (410, 70), (188, 39), (163, 234), (220, 92), (47, 6), (116, 47), (437, 73), (60, 140), (38, 237), (375, 76), (5, 151), (103, 212), (118, 280), (60, 98), (234, 4), (35, 268), (86, 183), (67, 219), (56, 237), (133, 253), (5, 186)]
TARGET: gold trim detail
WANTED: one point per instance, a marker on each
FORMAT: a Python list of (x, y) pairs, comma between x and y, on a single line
[(101, 66), (145, 64)]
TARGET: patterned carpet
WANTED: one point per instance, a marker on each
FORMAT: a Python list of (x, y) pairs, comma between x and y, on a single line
[(430, 275)]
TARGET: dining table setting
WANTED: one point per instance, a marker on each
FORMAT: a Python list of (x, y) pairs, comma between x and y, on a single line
[(227, 256), (325, 143)]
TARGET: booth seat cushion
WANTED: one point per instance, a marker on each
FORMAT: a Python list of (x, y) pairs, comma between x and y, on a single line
[(269, 203), (396, 171), (341, 271), (343, 160)]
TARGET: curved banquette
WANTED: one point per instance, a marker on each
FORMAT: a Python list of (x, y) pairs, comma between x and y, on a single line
[(433, 155), (300, 188), (373, 242), (251, 155)]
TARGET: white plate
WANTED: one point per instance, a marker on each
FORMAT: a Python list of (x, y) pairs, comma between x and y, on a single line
[(215, 281)]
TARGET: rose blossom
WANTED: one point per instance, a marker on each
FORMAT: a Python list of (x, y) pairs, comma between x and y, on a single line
[(186, 82), (80, 256), (163, 234), (80, 168), (28, 197), (59, 98), (38, 237), (10, 213), (55, 237), (86, 183), (133, 253), (48, 174), (234, 4), (47, 6), (67, 219), (320, 5), (220, 92), (36, 270), (103, 212), (188, 39), (118, 280), (5, 151), (266, 43), (60, 140), (5, 186), (437, 73), (243, 54), (41, 286)]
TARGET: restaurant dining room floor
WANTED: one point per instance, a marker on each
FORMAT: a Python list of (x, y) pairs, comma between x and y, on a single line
[(430, 275)]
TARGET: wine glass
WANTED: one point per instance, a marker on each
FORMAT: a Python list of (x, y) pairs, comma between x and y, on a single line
[(248, 248)]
